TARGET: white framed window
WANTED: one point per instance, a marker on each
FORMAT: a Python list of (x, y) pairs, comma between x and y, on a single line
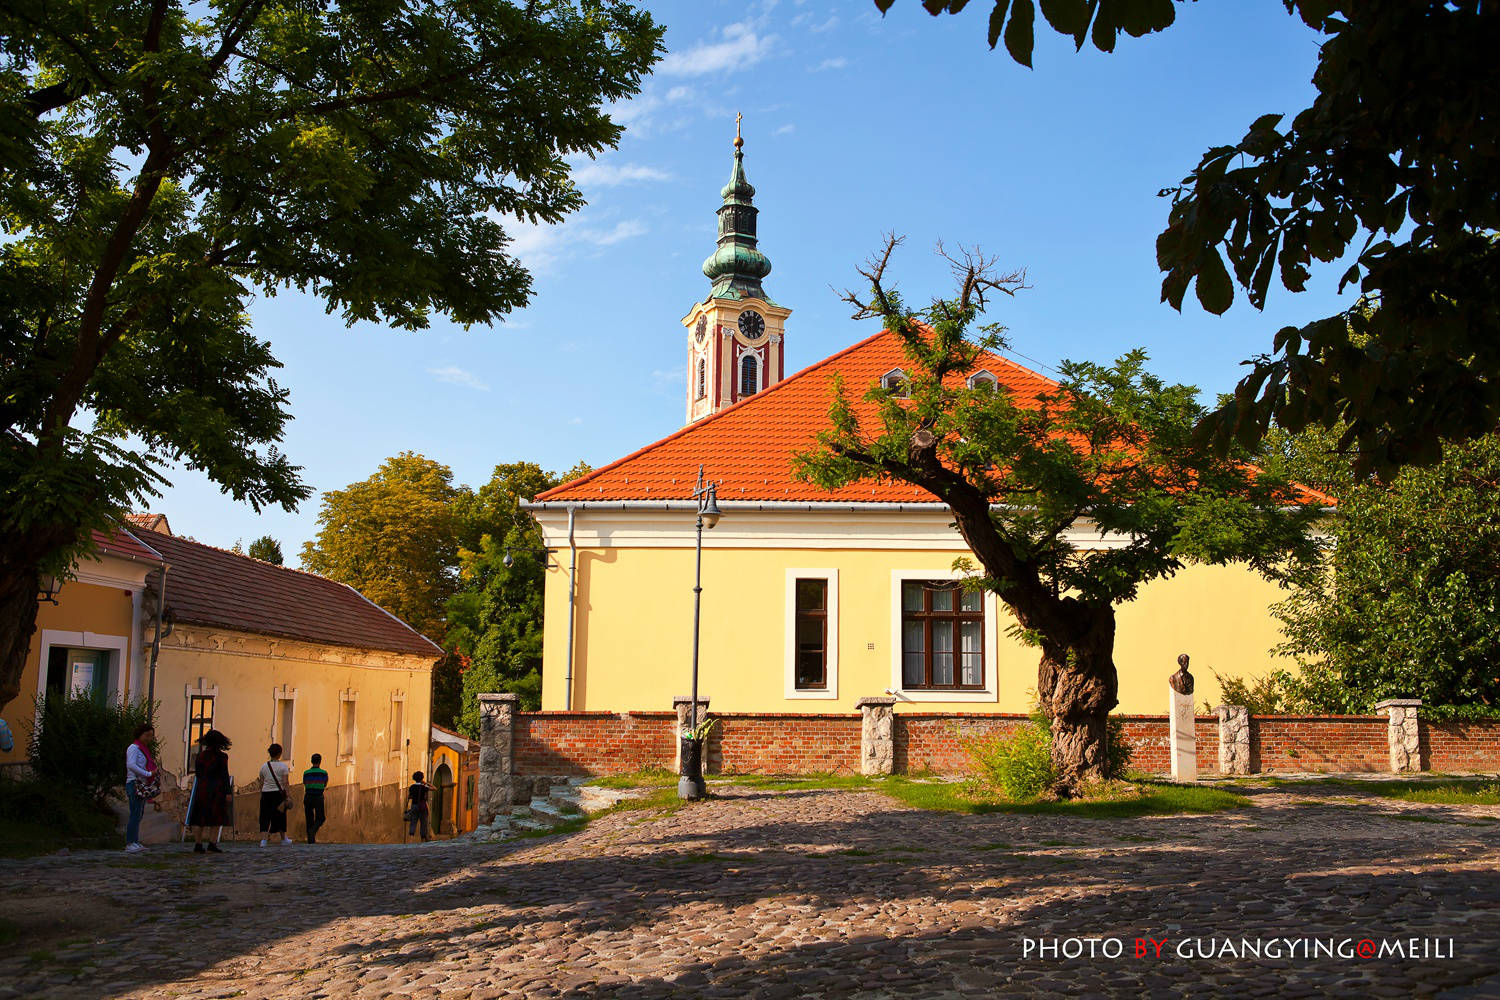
[(983, 380), (398, 723), (933, 638), (348, 725), (82, 663), (812, 633), (284, 719), (894, 382), (200, 703)]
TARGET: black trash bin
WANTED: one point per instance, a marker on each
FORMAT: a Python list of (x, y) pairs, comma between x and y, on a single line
[(690, 783)]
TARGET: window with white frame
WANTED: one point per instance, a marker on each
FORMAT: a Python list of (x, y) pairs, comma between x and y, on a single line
[(348, 732), (284, 719), (812, 633), (398, 723), (894, 382), (942, 638), (983, 380), (200, 719)]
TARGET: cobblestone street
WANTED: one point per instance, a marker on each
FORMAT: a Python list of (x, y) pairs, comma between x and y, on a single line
[(791, 894)]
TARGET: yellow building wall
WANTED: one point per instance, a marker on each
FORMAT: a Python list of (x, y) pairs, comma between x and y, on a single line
[(100, 611), (251, 672), (635, 623)]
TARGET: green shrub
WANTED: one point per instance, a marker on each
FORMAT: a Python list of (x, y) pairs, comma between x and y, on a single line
[(80, 743), (1020, 765), (38, 816)]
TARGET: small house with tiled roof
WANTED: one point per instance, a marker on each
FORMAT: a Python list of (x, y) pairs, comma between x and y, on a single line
[(814, 599), (269, 654)]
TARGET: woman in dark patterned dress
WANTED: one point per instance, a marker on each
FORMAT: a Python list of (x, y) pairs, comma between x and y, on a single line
[(211, 789)]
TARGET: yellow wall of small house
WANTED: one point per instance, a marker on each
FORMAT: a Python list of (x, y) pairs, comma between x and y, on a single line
[(635, 621), (100, 611), (249, 676)]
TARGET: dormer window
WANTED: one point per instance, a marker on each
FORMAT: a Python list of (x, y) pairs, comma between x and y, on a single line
[(894, 382), (983, 380), (749, 375), (702, 378)]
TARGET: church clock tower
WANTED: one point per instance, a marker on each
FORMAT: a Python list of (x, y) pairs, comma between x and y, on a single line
[(735, 334)]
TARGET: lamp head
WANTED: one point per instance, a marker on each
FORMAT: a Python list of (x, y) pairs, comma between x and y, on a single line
[(508, 560), (710, 510)]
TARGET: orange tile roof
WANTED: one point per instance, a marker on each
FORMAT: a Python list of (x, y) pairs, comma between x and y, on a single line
[(749, 446), (122, 543)]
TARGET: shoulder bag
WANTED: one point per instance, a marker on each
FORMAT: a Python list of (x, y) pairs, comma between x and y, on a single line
[(286, 800)]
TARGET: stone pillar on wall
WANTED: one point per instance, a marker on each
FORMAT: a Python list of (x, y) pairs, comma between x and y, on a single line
[(497, 721), (877, 735), (1234, 739), (1402, 733), (683, 704)]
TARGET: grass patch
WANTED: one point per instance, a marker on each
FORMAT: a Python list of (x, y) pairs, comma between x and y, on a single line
[(1429, 789), (798, 782), (855, 852), (1417, 818), (1125, 800), (996, 847), (650, 777), (704, 858), (661, 800)]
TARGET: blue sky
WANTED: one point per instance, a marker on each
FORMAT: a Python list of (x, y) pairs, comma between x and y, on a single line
[(855, 125)]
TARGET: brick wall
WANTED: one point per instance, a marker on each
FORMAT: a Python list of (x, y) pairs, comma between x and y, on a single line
[(1319, 743), (578, 743), (1461, 746)]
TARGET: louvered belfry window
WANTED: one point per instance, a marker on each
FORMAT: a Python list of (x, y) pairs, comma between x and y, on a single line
[(749, 375)]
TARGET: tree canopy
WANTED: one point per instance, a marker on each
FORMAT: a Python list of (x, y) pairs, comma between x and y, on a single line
[(266, 549), (1408, 605), (1393, 169), (160, 162), (1106, 453)]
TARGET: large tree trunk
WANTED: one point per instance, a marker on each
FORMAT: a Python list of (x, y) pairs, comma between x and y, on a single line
[(20, 583), (1077, 686)]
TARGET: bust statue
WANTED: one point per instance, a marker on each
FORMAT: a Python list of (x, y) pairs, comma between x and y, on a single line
[(1182, 681)]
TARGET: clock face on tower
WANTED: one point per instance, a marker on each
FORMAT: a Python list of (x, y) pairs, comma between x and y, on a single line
[(701, 329), (751, 325)]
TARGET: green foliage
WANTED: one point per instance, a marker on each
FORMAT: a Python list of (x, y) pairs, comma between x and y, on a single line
[(494, 622), (81, 740), (1019, 766), (161, 164), (1394, 161), (394, 538), (1409, 603), (266, 549)]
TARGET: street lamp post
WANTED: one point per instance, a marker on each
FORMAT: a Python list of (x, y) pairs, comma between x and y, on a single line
[(688, 785)]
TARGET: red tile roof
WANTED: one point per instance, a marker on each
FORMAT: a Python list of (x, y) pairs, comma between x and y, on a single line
[(215, 587), (748, 447), (122, 543), (149, 522)]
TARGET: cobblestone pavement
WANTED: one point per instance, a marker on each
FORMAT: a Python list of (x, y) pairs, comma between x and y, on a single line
[(816, 894)]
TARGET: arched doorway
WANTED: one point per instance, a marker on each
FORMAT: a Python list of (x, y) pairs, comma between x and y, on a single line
[(442, 798)]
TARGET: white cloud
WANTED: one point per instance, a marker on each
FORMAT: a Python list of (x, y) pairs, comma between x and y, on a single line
[(742, 46), (541, 247), (612, 175), (785, 130), (838, 62), (455, 375), (805, 21), (619, 233), (576, 421)]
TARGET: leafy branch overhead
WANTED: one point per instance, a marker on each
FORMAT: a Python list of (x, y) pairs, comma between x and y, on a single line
[(161, 162), (1389, 176)]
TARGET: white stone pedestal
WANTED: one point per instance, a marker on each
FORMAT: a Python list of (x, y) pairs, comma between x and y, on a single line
[(1184, 738)]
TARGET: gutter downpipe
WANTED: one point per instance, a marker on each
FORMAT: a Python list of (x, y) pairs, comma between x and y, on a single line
[(161, 610), (572, 606)]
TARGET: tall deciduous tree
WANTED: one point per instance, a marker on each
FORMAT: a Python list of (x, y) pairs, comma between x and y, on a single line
[(394, 538), (1396, 160), (1109, 451), (1409, 603), (495, 620), (160, 161), (266, 549)]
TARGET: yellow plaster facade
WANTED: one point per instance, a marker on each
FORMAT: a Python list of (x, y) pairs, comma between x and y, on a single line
[(96, 616), (366, 712), (633, 625)]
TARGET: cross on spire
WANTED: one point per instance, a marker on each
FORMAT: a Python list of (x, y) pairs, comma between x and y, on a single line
[(738, 142)]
